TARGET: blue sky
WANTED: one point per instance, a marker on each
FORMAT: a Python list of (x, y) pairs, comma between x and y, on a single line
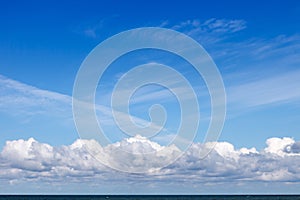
[(254, 44)]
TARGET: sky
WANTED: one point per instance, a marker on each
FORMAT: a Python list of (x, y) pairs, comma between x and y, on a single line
[(255, 46)]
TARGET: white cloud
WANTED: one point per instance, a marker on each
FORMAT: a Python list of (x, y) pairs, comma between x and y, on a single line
[(212, 25), (31, 160), (278, 146), (283, 88), (210, 31), (94, 30), (261, 54), (17, 97), (7, 83), (276, 59)]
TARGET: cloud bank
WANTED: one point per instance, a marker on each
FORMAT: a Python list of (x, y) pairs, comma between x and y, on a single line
[(30, 160)]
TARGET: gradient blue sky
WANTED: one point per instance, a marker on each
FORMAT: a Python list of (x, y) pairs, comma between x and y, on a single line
[(255, 44)]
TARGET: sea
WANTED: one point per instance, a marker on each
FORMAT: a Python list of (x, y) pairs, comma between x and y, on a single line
[(149, 197)]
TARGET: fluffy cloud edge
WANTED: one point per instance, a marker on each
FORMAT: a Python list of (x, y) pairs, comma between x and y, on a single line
[(34, 161)]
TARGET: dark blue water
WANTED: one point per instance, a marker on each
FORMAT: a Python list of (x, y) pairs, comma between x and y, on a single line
[(150, 197)]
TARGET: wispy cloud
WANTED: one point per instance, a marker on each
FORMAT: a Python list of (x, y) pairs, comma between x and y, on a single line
[(218, 36), (31, 90), (94, 29), (213, 25), (17, 98), (210, 31), (278, 89), (279, 46), (280, 52), (257, 71)]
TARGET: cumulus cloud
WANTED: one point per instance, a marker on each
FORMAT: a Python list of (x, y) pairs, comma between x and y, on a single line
[(294, 148), (30, 159), (278, 146)]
